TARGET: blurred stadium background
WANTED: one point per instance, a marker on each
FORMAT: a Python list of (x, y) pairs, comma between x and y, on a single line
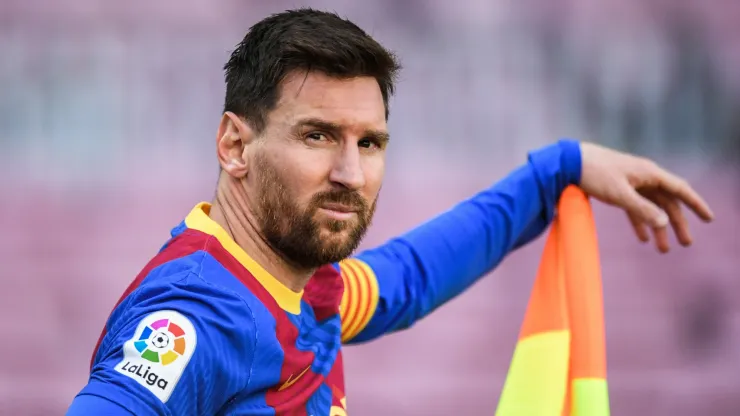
[(108, 114)]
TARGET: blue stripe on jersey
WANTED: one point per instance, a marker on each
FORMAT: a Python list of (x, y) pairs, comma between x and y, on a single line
[(268, 357), (319, 401)]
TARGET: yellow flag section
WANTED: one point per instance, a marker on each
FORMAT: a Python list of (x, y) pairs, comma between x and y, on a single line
[(559, 364)]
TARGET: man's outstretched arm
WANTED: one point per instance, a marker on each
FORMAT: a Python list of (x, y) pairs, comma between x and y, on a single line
[(392, 286)]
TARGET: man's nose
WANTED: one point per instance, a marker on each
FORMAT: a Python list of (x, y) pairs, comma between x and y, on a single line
[(347, 170)]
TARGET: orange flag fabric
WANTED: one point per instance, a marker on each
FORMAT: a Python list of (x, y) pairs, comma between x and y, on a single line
[(559, 363)]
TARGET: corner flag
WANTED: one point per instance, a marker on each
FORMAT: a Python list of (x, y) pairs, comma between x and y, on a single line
[(559, 364)]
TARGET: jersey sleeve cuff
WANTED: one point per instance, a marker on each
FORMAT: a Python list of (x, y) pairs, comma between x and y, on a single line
[(556, 166), (560, 161), (570, 160)]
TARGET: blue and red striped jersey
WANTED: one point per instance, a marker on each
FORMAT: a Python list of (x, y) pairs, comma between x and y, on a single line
[(206, 330)]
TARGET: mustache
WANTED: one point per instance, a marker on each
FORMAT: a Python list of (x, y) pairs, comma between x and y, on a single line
[(349, 198)]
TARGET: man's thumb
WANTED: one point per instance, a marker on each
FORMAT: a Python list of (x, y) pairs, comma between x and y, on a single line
[(646, 210)]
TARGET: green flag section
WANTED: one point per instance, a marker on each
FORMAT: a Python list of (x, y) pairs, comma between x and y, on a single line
[(559, 364)]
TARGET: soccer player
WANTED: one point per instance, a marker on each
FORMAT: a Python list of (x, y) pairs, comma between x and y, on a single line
[(245, 309)]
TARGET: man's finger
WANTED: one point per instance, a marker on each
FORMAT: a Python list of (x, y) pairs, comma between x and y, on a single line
[(644, 209), (682, 190), (640, 230), (661, 239), (675, 215)]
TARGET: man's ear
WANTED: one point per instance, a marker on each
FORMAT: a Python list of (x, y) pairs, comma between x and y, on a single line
[(232, 141)]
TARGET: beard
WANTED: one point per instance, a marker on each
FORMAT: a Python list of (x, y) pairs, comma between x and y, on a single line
[(296, 233)]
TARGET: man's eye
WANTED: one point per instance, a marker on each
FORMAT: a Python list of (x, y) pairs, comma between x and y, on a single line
[(368, 144), (316, 136)]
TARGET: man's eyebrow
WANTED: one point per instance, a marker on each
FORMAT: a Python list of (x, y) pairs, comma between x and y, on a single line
[(320, 124), (380, 135)]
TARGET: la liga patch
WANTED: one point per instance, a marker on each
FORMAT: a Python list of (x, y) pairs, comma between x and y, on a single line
[(159, 351)]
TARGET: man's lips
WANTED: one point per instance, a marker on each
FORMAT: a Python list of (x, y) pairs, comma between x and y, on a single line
[(338, 211), (333, 206)]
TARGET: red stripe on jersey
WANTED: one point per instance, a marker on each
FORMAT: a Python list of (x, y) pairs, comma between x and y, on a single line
[(186, 243), (297, 382), (324, 292), (335, 380)]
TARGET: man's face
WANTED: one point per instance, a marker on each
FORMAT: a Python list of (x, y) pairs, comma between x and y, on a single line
[(318, 167)]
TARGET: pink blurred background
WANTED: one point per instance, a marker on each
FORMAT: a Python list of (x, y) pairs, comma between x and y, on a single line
[(108, 113)]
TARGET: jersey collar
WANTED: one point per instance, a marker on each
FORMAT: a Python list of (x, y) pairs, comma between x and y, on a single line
[(199, 220)]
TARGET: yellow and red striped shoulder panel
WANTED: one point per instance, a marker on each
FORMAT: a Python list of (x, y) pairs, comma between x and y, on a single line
[(360, 299)]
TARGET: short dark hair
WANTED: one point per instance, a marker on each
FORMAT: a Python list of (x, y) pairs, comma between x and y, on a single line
[(301, 39)]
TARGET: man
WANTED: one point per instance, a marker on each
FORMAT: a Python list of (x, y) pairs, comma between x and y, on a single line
[(245, 308)]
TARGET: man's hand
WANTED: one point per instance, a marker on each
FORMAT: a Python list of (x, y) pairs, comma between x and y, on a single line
[(651, 196)]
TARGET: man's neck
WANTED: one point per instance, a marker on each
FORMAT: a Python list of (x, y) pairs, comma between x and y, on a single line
[(231, 210)]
